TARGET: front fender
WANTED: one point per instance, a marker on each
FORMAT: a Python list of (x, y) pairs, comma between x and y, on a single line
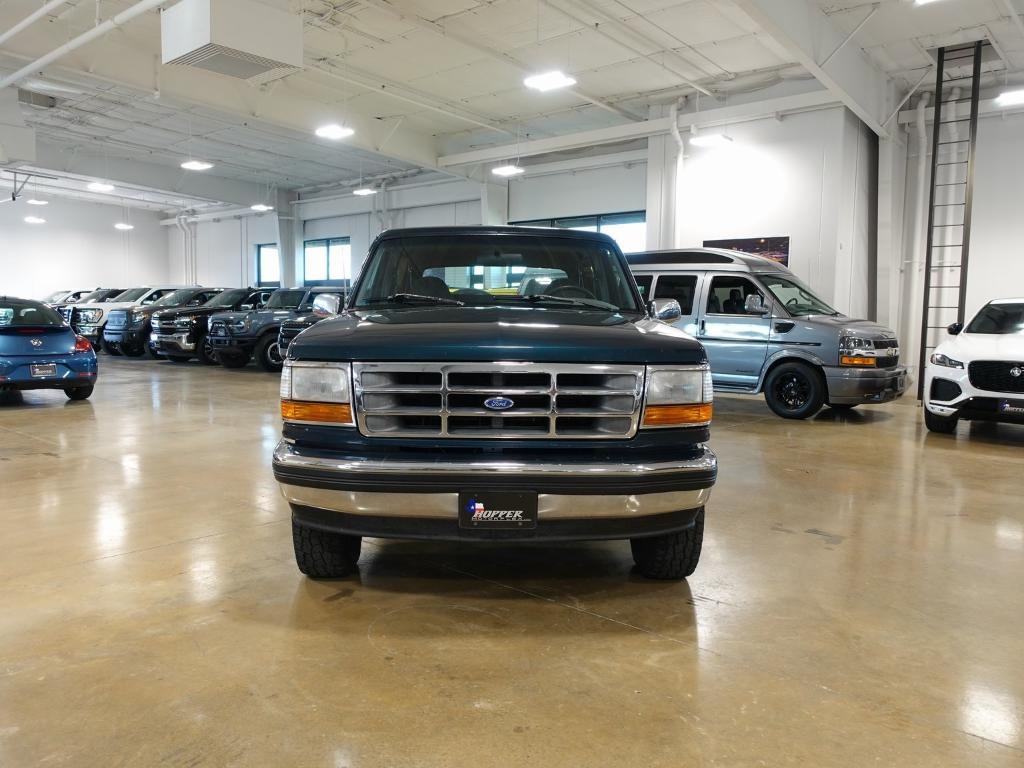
[(803, 355)]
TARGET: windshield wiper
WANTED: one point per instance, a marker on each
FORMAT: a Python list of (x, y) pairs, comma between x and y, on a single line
[(592, 303), (402, 298)]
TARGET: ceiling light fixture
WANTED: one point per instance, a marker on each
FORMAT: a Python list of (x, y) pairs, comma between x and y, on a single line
[(37, 201), (1010, 98), (334, 131), (101, 186), (196, 165), (710, 140), (123, 226), (507, 170), (923, 2), (549, 81), (261, 207), (364, 191), (34, 220)]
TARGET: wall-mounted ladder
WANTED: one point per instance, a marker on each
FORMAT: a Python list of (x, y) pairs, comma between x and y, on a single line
[(950, 198)]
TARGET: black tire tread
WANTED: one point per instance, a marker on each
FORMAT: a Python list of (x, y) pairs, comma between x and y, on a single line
[(671, 556), (233, 361), (79, 393), (817, 398), (260, 353), (325, 555), (944, 425)]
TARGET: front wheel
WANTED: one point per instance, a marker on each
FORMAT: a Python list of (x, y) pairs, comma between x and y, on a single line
[(268, 354), (78, 393), (323, 554), (794, 391), (205, 352), (670, 556), (945, 425)]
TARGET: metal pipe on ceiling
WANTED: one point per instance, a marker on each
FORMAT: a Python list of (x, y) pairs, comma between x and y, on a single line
[(83, 39), (31, 19)]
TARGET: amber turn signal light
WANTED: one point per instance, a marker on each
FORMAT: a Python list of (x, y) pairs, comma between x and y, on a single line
[(863, 362), (677, 415), (330, 413)]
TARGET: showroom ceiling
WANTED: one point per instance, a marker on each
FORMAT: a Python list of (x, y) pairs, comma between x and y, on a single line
[(421, 79)]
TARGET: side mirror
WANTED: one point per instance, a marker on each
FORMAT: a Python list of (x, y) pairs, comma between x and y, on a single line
[(955, 329), (666, 310), (327, 304), (754, 305), (247, 307)]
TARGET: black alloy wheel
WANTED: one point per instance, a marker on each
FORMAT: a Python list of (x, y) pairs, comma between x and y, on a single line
[(794, 391), (205, 351)]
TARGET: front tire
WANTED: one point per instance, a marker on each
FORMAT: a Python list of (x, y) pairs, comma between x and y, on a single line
[(323, 554), (945, 425), (78, 393), (794, 391), (670, 556), (268, 355), (205, 353)]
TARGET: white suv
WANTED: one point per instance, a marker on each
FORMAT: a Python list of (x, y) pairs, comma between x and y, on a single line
[(978, 373), (88, 319)]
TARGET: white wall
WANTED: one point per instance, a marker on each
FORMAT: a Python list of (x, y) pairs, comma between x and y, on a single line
[(226, 249), (805, 176), (78, 247), (617, 189)]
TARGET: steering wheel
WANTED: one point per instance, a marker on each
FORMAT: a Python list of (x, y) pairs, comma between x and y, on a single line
[(793, 302), (571, 292)]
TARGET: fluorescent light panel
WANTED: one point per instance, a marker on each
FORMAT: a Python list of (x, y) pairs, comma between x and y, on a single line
[(196, 165), (507, 170), (710, 140), (123, 226), (1010, 98), (549, 81), (334, 131), (100, 186), (34, 220), (364, 191), (35, 201), (261, 207)]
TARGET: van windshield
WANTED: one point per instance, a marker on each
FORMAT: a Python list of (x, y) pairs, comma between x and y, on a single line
[(798, 299)]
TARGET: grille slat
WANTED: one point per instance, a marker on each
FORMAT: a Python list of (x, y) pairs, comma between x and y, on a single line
[(447, 400), (996, 376)]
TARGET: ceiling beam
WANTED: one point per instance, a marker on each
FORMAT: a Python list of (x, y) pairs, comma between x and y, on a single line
[(804, 33), (721, 116)]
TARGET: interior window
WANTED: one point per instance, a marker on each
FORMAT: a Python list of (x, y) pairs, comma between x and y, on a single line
[(643, 282), (728, 295), (678, 287)]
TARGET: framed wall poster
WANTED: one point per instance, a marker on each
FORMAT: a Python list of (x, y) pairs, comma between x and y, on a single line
[(774, 248)]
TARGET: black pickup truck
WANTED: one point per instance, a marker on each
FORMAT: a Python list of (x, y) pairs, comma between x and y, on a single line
[(181, 334), (447, 402)]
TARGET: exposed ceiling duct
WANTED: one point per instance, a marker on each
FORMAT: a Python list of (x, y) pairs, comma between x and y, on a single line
[(237, 38)]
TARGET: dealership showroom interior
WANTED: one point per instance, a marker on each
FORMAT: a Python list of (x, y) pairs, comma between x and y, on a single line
[(450, 383)]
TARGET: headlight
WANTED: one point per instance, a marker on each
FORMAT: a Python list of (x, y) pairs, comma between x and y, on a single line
[(136, 316), (240, 325), (854, 344), (90, 315), (938, 358), (678, 397), (316, 392), (185, 322), (856, 352)]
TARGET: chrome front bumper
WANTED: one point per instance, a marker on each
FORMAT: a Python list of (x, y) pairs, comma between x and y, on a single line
[(175, 340), (430, 489)]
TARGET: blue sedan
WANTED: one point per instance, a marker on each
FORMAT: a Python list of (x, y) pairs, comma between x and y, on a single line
[(39, 351)]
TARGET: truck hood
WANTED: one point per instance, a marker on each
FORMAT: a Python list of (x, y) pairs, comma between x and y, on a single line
[(173, 313), (264, 314), (493, 333), (984, 346), (106, 306), (848, 326)]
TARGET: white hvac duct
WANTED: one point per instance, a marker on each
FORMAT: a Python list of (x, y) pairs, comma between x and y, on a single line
[(911, 276), (32, 18), (83, 39)]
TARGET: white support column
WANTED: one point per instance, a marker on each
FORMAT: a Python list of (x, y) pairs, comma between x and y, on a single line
[(289, 239), (663, 160), (493, 203), (892, 174)]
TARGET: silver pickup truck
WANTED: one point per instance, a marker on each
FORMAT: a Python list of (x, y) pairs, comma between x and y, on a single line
[(766, 332)]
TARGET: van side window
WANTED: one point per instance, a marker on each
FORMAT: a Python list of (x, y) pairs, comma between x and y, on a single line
[(728, 295), (643, 282), (678, 287)]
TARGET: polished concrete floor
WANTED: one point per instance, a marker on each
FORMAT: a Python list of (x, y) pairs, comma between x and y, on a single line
[(860, 602)]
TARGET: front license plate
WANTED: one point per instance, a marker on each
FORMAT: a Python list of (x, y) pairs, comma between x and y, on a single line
[(42, 371), (488, 510), (1016, 407)]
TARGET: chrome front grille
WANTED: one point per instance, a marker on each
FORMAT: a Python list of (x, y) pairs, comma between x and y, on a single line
[(547, 401), (118, 318)]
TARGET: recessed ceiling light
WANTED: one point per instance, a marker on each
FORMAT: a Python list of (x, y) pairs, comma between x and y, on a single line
[(123, 226), (34, 220), (710, 140), (261, 207), (196, 165), (923, 2), (35, 201), (334, 131), (101, 186), (1010, 98), (364, 191), (549, 81), (507, 170)]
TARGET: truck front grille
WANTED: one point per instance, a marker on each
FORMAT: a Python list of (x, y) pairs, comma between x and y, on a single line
[(997, 375), (67, 313), (498, 400), (218, 328), (118, 318)]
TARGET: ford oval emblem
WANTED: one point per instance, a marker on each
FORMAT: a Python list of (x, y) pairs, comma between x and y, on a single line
[(498, 403)]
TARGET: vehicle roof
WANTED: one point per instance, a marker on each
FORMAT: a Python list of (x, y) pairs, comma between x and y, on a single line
[(4, 297), (1007, 301), (494, 230), (715, 258)]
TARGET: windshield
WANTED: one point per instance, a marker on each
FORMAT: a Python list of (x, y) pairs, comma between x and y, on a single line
[(286, 299), (1002, 319), (15, 312), (175, 298), (796, 298), (228, 299), (132, 294), (97, 295), (55, 296), (478, 270)]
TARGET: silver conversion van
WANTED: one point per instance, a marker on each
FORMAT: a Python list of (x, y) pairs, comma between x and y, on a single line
[(765, 331)]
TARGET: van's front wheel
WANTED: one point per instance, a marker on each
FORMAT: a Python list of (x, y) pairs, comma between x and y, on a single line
[(794, 391), (670, 556)]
